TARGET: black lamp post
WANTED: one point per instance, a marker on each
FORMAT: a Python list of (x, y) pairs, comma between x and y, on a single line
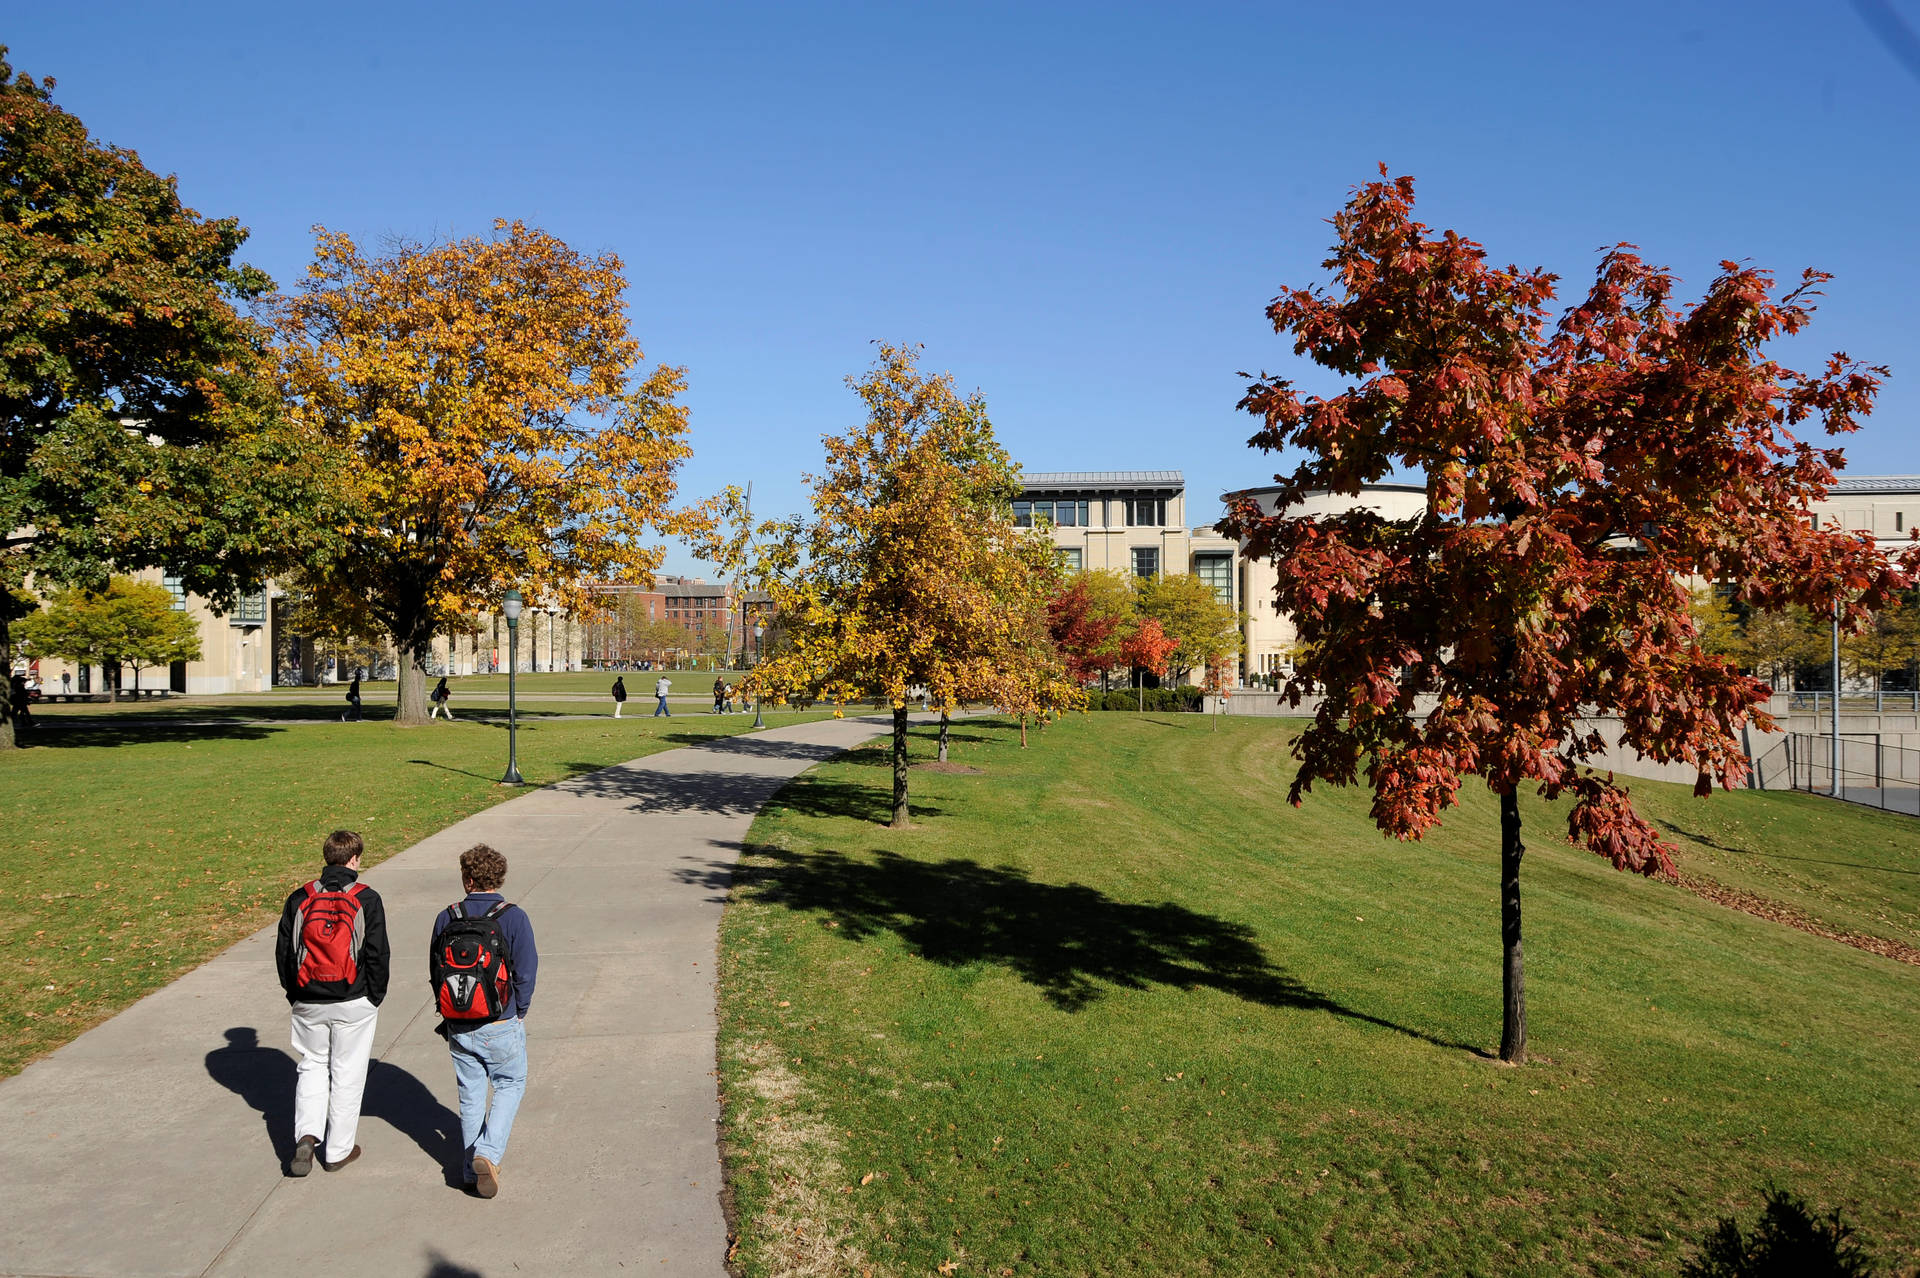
[(758, 722), (511, 606)]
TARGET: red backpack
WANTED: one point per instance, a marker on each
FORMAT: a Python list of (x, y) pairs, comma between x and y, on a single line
[(329, 928), (472, 973)]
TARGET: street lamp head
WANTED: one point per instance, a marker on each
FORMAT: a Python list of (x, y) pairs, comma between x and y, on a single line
[(510, 607), (758, 631)]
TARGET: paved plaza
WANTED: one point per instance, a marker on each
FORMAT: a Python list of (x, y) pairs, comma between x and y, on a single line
[(155, 1144)]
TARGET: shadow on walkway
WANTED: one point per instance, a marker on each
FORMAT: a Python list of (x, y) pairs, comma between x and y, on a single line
[(263, 1077), (1067, 939), (738, 794)]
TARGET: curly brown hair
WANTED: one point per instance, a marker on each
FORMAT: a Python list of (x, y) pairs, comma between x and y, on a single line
[(340, 847), (483, 868)]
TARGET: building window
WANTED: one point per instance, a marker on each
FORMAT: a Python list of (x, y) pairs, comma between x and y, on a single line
[(1146, 561), (1070, 558), (1145, 512), (1071, 514), (178, 591), (1042, 510), (1023, 514), (1216, 571), (249, 610), (1899, 521)]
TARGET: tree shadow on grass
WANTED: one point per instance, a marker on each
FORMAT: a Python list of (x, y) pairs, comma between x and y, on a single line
[(1066, 939), (264, 1077), (74, 732)]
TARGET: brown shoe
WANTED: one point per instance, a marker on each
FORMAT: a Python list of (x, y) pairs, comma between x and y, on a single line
[(343, 1162), (486, 1177), (302, 1161)]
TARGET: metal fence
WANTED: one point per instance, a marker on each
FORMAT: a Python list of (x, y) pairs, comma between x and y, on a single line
[(1880, 776), (1854, 702)]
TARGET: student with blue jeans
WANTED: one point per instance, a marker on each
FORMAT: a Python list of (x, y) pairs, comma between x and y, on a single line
[(494, 1053)]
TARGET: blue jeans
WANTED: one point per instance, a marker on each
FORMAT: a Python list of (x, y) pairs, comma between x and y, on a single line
[(494, 1053), (660, 708)]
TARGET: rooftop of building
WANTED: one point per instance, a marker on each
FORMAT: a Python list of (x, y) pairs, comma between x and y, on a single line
[(1876, 484), (1102, 480)]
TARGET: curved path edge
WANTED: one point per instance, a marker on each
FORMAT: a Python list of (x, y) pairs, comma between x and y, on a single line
[(154, 1144)]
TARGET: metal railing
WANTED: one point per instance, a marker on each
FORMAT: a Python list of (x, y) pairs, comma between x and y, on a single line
[(1854, 702), (1880, 776)]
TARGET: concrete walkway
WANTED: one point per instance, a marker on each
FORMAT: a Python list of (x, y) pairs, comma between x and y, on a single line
[(155, 1144)]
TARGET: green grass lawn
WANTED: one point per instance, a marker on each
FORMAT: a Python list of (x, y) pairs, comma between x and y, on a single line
[(135, 849), (1114, 1008)]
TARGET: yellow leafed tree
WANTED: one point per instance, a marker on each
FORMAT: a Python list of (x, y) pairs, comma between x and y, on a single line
[(896, 581), (496, 431)]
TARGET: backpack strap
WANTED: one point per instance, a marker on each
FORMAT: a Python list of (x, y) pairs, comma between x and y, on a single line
[(312, 889), (458, 910), (499, 908)]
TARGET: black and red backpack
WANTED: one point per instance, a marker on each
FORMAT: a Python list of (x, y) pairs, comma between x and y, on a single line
[(472, 967), (329, 928)]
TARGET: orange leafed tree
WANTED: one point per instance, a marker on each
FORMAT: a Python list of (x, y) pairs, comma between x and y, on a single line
[(496, 431), (900, 579)]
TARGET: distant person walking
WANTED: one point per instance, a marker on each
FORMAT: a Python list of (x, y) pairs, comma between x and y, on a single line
[(619, 694), (719, 695), (353, 701), (440, 695), (729, 698), (333, 957), (661, 688), (482, 964)]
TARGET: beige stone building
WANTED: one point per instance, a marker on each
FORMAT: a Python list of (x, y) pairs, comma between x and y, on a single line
[(1270, 633), (1135, 521), (236, 652)]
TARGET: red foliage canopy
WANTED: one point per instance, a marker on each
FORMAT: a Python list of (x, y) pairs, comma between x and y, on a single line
[(1083, 636), (1577, 476), (1147, 647)]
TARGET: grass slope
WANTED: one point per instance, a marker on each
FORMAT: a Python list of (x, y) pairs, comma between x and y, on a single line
[(1113, 1008), (135, 850)]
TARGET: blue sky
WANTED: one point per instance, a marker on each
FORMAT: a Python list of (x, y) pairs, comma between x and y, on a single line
[(1080, 210)]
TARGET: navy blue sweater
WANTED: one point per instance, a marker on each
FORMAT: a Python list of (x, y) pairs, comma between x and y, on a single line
[(523, 960)]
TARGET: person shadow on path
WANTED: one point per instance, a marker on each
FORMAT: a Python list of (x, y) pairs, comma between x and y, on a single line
[(264, 1076)]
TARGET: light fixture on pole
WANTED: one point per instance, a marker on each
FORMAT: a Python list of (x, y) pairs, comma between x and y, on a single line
[(511, 606), (758, 631)]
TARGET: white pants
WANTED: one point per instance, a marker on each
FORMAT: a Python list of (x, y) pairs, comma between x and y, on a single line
[(439, 708), (335, 1041)]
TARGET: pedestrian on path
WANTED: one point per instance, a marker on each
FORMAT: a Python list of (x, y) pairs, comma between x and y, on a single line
[(719, 694), (440, 696), (20, 703), (352, 712), (482, 965), (619, 694), (660, 691), (333, 957)]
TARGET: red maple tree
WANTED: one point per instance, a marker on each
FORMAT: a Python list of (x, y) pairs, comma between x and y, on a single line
[(1082, 634), (1578, 474)]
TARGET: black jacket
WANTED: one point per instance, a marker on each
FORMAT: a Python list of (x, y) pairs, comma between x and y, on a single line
[(375, 954)]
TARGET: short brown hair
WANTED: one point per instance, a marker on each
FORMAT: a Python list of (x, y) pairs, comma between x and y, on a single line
[(481, 866), (341, 847)]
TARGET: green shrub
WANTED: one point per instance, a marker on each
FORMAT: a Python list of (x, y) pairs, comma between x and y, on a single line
[(1185, 698)]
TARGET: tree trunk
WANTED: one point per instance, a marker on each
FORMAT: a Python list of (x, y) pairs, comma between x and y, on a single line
[(1513, 1027), (7, 741), (410, 660), (943, 736), (1023, 732), (899, 767)]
